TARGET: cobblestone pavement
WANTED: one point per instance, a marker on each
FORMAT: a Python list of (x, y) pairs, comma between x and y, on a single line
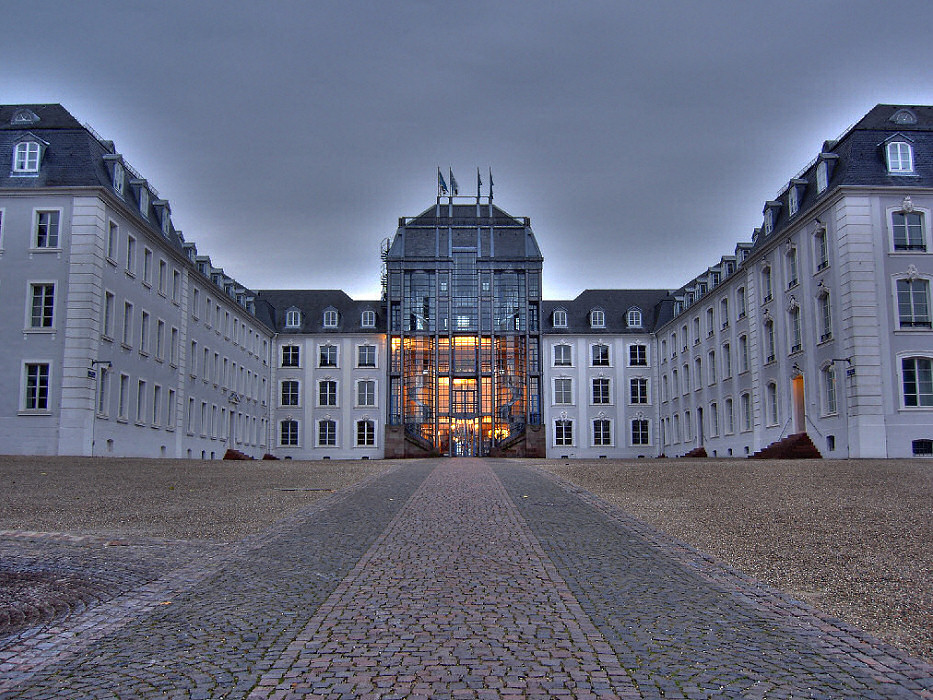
[(449, 578)]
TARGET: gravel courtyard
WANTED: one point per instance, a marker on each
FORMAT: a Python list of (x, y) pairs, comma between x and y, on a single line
[(852, 538)]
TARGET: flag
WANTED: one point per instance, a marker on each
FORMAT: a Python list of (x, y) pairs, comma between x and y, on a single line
[(441, 185), (453, 182)]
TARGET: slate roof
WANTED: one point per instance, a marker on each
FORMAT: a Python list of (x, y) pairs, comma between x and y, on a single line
[(312, 303), (656, 307)]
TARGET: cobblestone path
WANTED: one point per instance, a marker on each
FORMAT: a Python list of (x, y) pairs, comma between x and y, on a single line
[(447, 579)]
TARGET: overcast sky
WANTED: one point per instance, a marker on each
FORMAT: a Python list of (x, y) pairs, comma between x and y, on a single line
[(642, 139)]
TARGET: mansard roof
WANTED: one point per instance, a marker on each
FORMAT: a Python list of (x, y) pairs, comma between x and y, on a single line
[(312, 303), (656, 306)]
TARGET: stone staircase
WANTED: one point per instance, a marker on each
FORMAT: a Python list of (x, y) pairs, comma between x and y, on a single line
[(796, 446), (696, 452)]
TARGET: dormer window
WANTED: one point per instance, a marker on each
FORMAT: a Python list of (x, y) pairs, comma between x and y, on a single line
[(144, 201), (769, 221), (560, 318), (119, 178), (597, 319), (900, 156), (904, 116), (330, 318), (26, 157), (293, 318), (23, 117), (793, 202), (368, 319), (821, 176), (633, 318)]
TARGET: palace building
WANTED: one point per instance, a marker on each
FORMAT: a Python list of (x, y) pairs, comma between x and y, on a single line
[(123, 339)]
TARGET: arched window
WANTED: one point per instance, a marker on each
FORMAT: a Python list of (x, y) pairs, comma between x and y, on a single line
[(900, 157), (560, 318), (597, 318), (633, 318), (26, 157), (293, 318)]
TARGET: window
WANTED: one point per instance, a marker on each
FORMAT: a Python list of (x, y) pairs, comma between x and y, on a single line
[(729, 417), (109, 308), (130, 255), (144, 333), (119, 178), (640, 432), (746, 412), (173, 348), (560, 318), (740, 302), (665, 386), (127, 324), (686, 374), (26, 157), (638, 355), (638, 390), (144, 202), (913, 303), (791, 260), (602, 432), (293, 318), (769, 221), (147, 266), (366, 356), (600, 355), (633, 318), (726, 361), (900, 157), (821, 176), (366, 393), (563, 433), (710, 324), (36, 395), (327, 393), (562, 356), (291, 355), (711, 366), (288, 433), (113, 236), (917, 381), (42, 305), (327, 356), (563, 391), (160, 340), (176, 286), (769, 341), (825, 316), (327, 433), (766, 288), (141, 401), (368, 319), (156, 404), (714, 419), (289, 393), (601, 391), (696, 331), (793, 201), (103, 391), (772, 401), (330, 318), (908, 231), (796, 335), (47, 229), (829, 389), (163, 277), (822, 250), (743, 353), (597, 319), (365, 433)]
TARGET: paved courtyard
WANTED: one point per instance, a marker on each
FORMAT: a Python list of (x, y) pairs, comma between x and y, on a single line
[(436, 578)]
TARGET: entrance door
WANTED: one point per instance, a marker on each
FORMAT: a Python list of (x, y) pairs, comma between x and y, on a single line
[(464, 437), (800, 416)]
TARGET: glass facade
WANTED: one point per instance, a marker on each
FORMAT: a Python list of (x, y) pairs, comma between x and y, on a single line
[(464, 345)]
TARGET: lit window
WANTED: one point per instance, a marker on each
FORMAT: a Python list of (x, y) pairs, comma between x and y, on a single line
[(330, 319), (597, 319), (633, 318), (36, 396), (26, 157), (913, 303), (908, 231), (560, 318), (900, 157), (47, 229), (918, 381)]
